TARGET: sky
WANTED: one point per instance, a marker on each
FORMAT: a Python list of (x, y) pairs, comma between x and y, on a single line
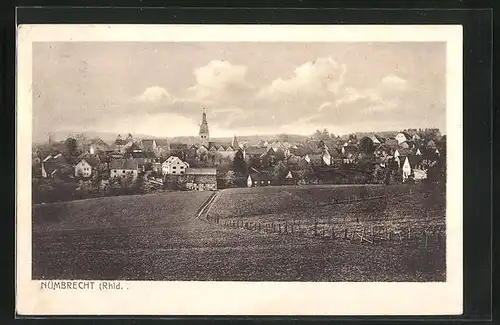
[(247, 88)]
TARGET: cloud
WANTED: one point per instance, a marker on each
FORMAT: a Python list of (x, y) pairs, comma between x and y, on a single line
[(317, 77), (153, 94), (316, 94), (395, 82), (324, 105), (220, 82)]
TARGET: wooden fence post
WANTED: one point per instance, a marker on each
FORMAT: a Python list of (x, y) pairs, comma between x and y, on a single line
[(333, 232), (345, 233), (286, 226)]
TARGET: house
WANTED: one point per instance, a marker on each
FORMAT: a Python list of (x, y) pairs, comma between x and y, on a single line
[(419, 174), (402, 152), (95, 146), (201, 179), (254, 153), (327, 158), (381, 151), (132, 147), (141, 157), (271, 157), (335, 158), (119, 144), (405, 145), (162, 147), (349, 154), (52, 164), (174, 166), (377, 140), (412, 166), (406, 169), (201, 150), (291, 178), (87, 165), (383, 161), (402, 137), (257, 179), (124, 168), (431, 144)]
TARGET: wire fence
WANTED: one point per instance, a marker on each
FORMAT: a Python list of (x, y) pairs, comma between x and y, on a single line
[(428, 230)]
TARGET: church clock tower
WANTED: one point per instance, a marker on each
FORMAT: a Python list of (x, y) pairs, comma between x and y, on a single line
[(204, 134)]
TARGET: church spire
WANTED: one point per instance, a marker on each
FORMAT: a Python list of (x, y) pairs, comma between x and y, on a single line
[(235, 144), (204, 133)]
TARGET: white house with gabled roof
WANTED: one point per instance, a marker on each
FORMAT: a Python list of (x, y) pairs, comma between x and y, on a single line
[(174, 166)]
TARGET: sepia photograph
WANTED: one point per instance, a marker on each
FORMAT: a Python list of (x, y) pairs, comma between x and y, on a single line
[(240, 161)]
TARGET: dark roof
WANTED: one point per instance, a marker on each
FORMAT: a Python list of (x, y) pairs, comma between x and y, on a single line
[(415, 160), (133, 146), (431, 144), (92, 160), (201, 171), (316, 159), (137, 154), (404, 151), (382, 147), (334, 152), (407, 135), (350, 149), (217, 145), (293, 160), (178, 146), (131, 164), (255, 151), (391, 143), (307, 149), (55, 158), (51, 167)]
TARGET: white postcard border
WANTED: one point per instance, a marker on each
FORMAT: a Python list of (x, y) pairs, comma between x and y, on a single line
[(243, 298)]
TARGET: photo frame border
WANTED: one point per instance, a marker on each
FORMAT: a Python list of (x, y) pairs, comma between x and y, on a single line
[(477, 79)]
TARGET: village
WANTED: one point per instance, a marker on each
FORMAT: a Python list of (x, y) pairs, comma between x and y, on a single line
[(83, 168)]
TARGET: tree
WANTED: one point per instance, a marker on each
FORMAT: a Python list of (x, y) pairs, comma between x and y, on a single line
[(366, 165), (239, 164), (279, 170), (71, 146), (366, 146), (230, 178), (148, 166), (321, 135)]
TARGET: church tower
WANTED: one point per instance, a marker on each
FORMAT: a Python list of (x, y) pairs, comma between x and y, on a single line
[(235, 144), (204, 134)]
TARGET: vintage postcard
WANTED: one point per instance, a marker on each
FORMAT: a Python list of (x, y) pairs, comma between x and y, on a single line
[(239, 170)]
